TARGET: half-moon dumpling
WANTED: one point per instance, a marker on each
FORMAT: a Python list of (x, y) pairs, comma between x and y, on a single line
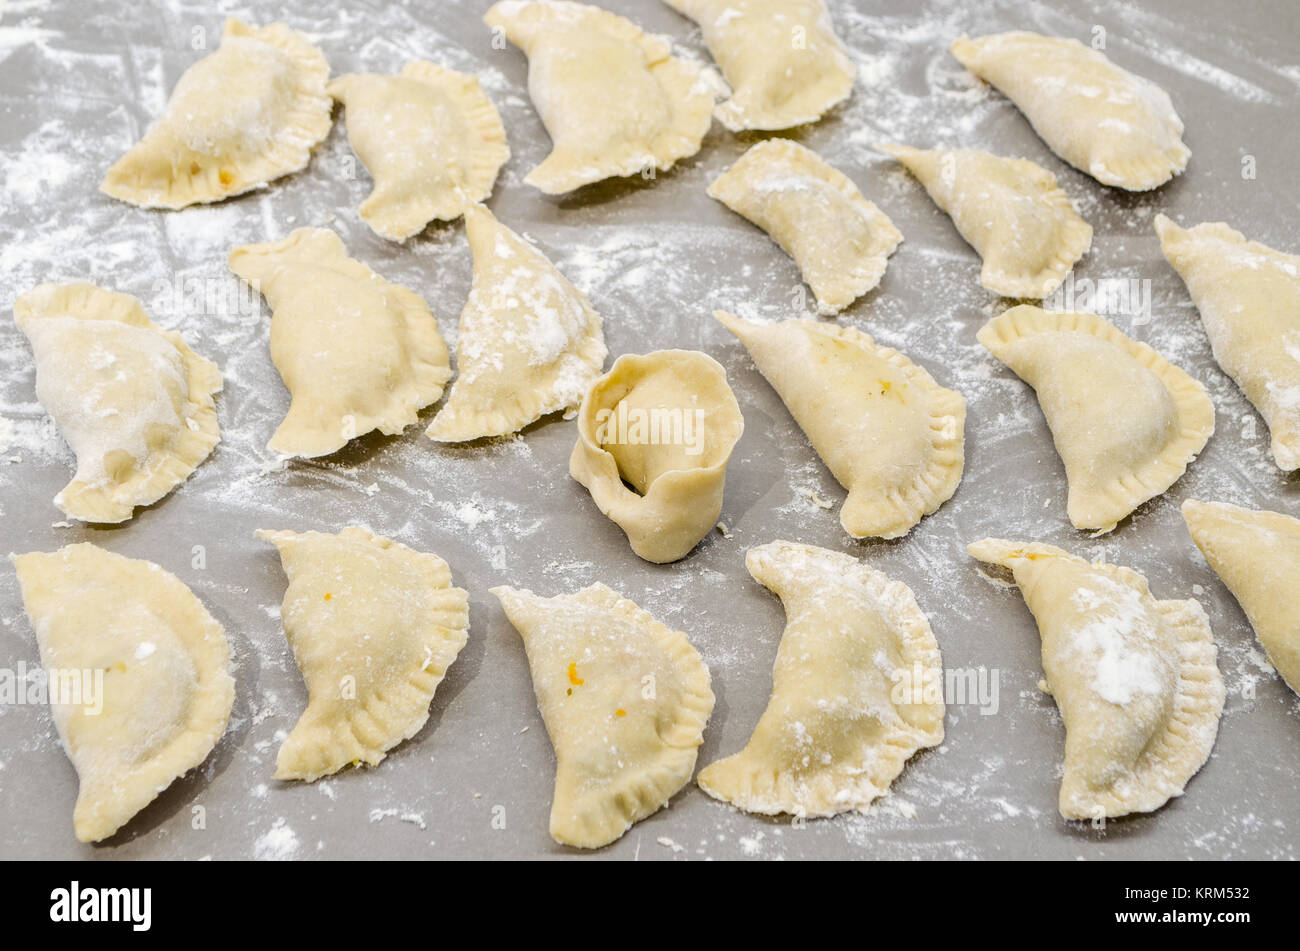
[(846, 711), (374, 626), (237, 119), (138, 676), (1011, 211), (356, 352), (614, 99), (1117, 127), (840, 241), (890, 435), (529, 342), (1257, 554), (131, 399), (1249, 299), (654, 437), (1125, 421), (625, 700), (1136, 679), (431, 139), (782, 58)]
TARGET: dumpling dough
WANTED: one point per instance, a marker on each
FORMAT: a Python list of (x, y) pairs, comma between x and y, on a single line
[(625, 700), (845, 713), (132, 400), (529, 342), (237, 119), (1117, 127), (374, 626), (356, 352), (1136, 679), (1257, 554), (1249, 299), (890, 435), (431, 139), (166, 692), (654, 437), (840, 241), (1125, 421), (782, 58), (614, 100), (1011, 211)]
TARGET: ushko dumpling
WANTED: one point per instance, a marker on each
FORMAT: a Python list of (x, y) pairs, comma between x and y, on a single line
[(1011, 211), (1249, 299), (356, 352), (893, 437), (1257, 554), (431, 139), (624, 699), (529, 343), (847, 710), (782, 59), (1117, 127), (133, 401), (138, 673), (1136, 679), (240, 117), (1126, 422), (614, 99), (374, 626)]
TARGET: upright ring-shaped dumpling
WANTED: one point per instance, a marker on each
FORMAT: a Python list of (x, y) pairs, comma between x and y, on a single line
[(625, 700), (1011, 211), (1117, 127), (614, 99), (133, 401), (847, 710), (893, 437), (782, 59), (431, 139), (840, 241), (237, 119), (1136, 679), (654, 437), (1126, 422), (356, 352), (1248, 296), (374, 626), (138, 673)]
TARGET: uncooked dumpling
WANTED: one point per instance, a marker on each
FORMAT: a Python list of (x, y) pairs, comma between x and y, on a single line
[(846, 710), (1011, 211), (132, 400), (431, 139), (1249, 299), (237, 119), (1125, 421), (889, 434), (1257, 554), (1136, 679), (614, 99), (1117, 127), (782, 58), (141, 671), (529, 343), (356, 352), (374, 626), (625, 700)]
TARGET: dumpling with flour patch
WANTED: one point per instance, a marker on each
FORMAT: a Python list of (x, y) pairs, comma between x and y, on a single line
[(1136, 679), (133, 401), (529, 342), (139, 673), (240, 117)]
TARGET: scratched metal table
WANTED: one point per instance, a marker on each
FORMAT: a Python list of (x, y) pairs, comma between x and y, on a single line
[(79, 83)]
